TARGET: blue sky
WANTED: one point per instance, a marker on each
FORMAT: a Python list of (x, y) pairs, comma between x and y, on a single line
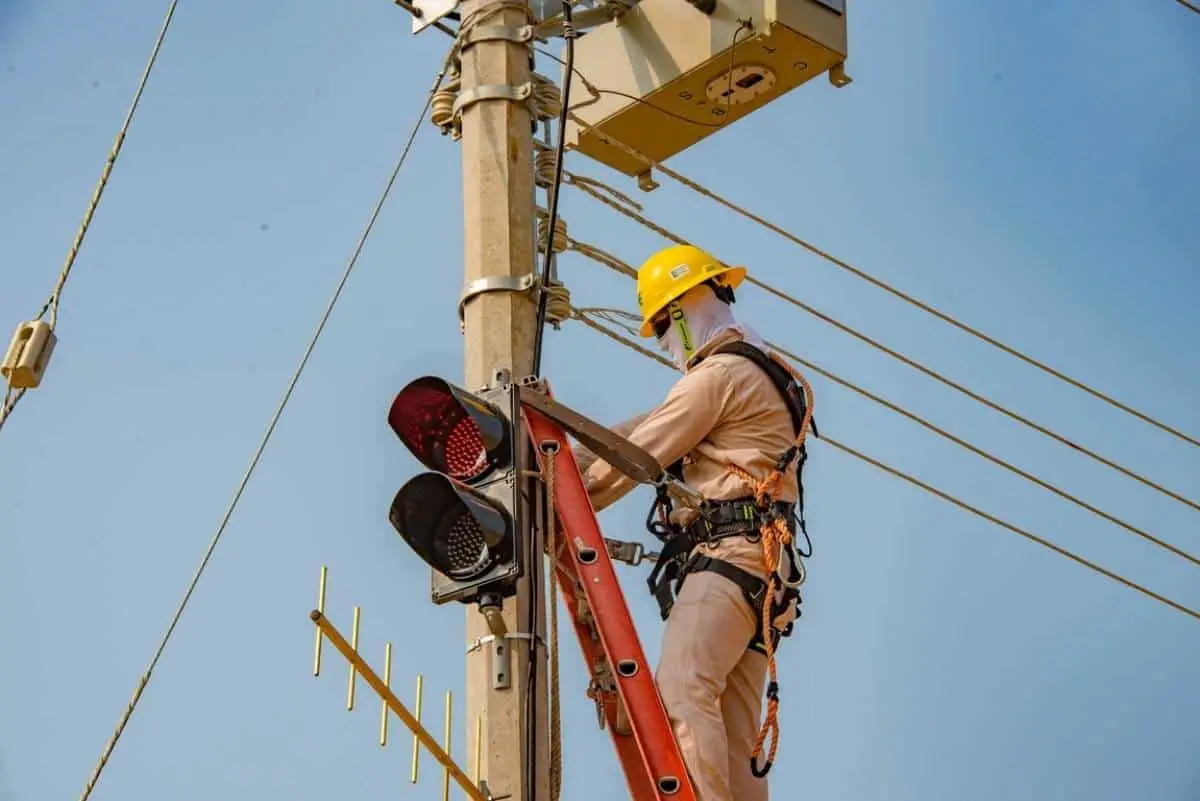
[(1030, 167)]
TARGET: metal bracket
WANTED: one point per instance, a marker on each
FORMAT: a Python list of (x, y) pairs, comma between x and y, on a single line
[(502, 655), (838, 76), (519, 34), (494, 283), (522, 93), (583, 20), (430, 12), (646, 182), (622, 454)]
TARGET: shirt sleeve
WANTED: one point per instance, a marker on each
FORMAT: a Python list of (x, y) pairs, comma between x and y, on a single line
[(584, 456), (683, 420)]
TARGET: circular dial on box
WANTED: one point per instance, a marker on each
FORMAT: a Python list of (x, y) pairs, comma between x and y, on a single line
[(740, 85)]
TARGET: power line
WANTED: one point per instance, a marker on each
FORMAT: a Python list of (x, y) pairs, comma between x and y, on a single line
[(237, 495), (696, 187), (1058, 549), (11, 398), (617, 265), (1194, 9), (664, 232)]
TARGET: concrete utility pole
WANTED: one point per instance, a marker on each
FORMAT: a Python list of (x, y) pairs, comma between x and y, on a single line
[(498, 242)]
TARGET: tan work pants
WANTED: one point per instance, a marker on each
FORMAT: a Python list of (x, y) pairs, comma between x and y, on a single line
[(711, 683)]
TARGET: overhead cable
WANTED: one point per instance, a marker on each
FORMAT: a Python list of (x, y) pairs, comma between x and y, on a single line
[(11, 397), (245, 480), (1058, 549), (588, 189), (610, 315), (696, 187)]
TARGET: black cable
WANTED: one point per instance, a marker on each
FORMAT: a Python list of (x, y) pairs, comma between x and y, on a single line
[(531, 553), (569, 36), (633, 98)]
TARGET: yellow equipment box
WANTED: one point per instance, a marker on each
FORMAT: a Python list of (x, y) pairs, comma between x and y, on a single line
[(670, 76)]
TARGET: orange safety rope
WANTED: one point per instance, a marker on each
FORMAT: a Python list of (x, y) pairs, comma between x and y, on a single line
[(775, 537)]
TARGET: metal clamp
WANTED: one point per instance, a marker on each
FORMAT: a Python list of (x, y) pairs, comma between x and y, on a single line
[(494, 283), (479, 642), (522, 93), (631, 553), (518, 34), (502, 656)]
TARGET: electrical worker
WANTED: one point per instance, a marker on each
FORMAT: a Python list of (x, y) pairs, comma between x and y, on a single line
[(725, 427)]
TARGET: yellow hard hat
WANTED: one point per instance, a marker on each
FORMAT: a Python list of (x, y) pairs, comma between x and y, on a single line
[(668, 274)]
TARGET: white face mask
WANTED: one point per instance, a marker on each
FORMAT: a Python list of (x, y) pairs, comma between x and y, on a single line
[(696, 318)]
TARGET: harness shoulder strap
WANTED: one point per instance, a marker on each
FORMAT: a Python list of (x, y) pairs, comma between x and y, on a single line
[(797, 405), (792, 395)]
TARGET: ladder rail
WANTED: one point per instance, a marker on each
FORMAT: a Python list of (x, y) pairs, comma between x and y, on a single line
[(588, 559), (641, 786)]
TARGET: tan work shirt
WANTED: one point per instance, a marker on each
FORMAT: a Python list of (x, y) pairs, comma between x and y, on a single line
[(724, 410)]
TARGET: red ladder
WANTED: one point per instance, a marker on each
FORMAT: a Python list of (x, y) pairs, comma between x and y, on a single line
[(628, 696)]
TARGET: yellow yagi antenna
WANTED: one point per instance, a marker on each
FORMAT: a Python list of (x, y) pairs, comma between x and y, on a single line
[(475, 788), (416, 744)]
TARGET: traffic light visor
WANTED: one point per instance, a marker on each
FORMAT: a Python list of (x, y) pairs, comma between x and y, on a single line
[(459, 532), (450, 430)]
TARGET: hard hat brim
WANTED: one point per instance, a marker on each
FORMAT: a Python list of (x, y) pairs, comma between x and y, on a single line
[(733, 276)]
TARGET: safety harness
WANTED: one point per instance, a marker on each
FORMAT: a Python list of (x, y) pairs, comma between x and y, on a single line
[(758, 517)]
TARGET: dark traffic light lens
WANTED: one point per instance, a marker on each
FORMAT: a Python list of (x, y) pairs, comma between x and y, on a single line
[(461, 548), (457, 531), (450, 430)]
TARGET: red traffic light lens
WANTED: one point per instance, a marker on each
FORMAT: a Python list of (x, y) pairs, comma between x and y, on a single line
[(450, 430), (457, 531)]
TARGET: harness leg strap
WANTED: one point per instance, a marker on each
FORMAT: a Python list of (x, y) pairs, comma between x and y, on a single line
[(752, 588), (669, 568)]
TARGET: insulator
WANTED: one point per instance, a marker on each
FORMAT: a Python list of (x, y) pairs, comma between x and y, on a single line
[(560, 233), (547, 98), (558, 304), (28, 354), (441, 112), (543, 165)]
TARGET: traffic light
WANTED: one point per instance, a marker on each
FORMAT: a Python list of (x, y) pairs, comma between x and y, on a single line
[(465, 518)]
